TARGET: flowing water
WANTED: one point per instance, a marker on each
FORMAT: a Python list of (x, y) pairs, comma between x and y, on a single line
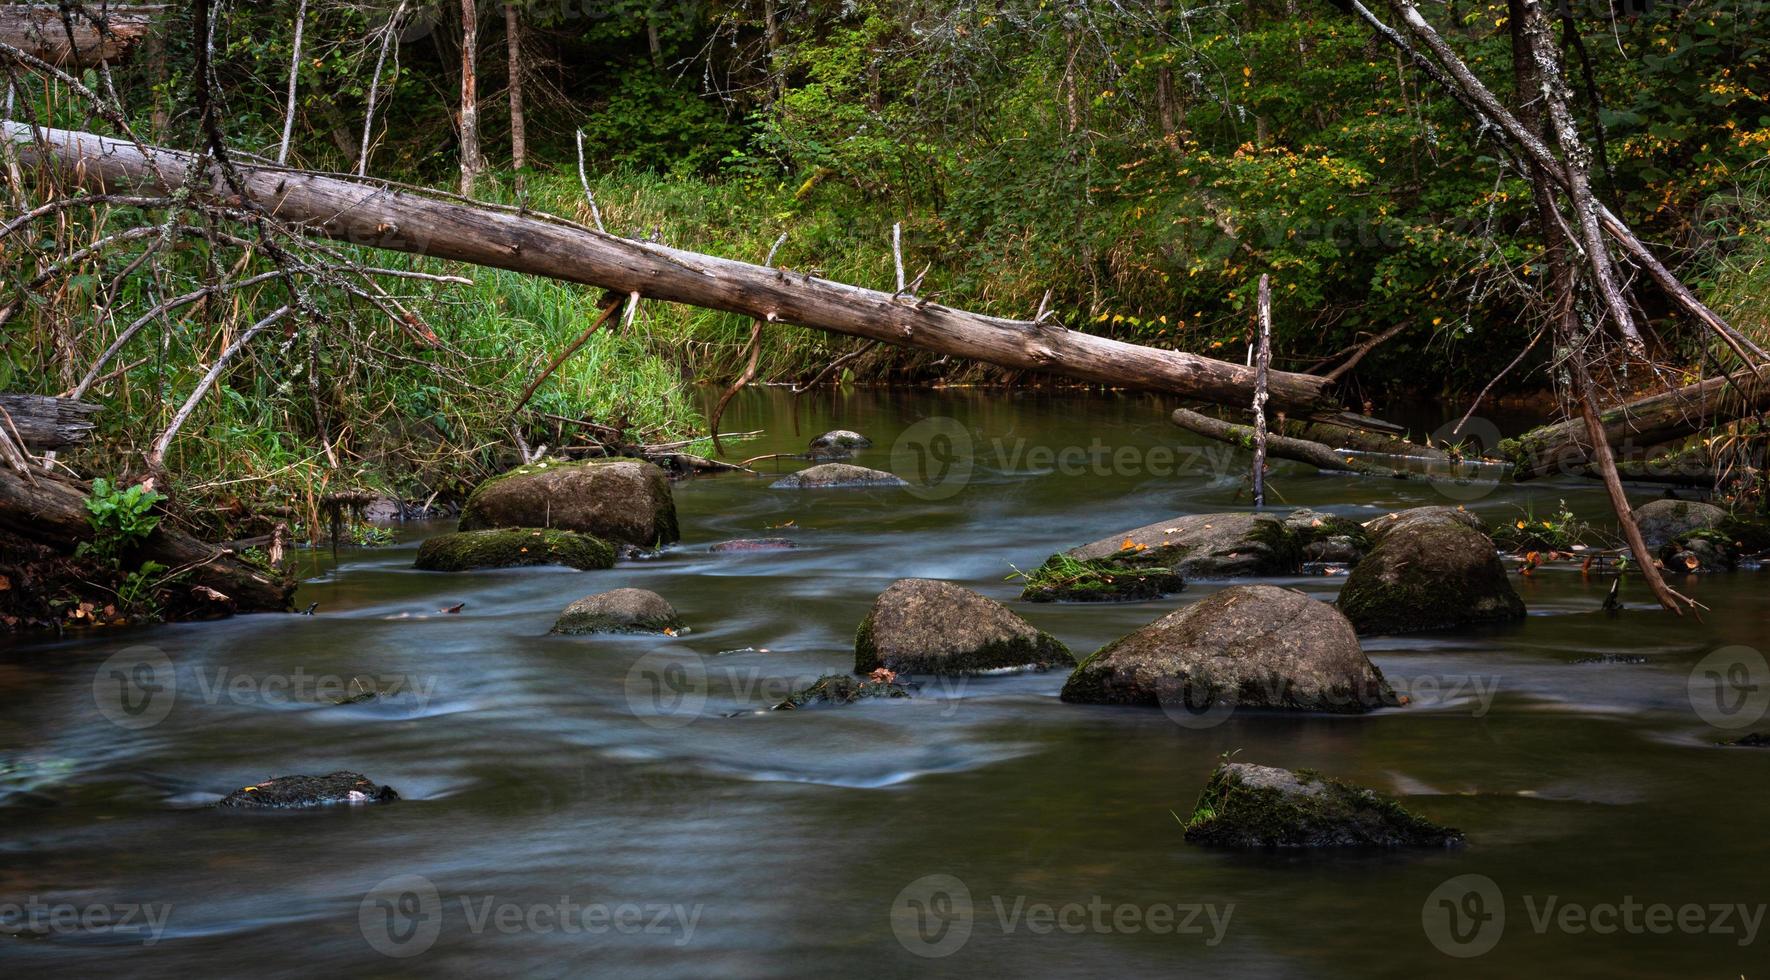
[(982, 828)]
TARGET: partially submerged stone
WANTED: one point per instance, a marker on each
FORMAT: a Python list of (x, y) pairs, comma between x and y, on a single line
[(841, 439), (512, 547), (1249, 806), (291, 792), (1220, 546), (1664, 522), (619, 611), (1430, 570), (625, 500), (753, 544), (831, 475), (1255, 646), (925, 626), (1064, 579), (841, 689)]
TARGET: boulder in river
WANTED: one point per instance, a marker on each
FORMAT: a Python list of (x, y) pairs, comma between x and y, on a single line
[(1229, 545), (925, 626), (1664, 522), (753, 544), (291, 792), (1249, 806), (619, 611), (1255, 646), (510, 547), (830, 475), (841, 439), (626, 500), (841, 689), (1432, 568)]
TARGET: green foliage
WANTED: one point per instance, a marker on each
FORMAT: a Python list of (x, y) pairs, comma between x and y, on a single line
[(1559, 531), (119, 518)]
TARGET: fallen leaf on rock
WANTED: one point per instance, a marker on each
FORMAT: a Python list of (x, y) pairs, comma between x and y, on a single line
[(451, 610)]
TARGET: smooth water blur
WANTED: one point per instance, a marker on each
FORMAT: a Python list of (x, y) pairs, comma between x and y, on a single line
[(637, 776)]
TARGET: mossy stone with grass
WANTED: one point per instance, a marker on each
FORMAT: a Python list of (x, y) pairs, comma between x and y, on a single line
[(623, 500), (1250, 806), (841, 439), (840, 689), (1065, 579), (1664, 521), (925, 626), (512, 547), (619, 611)]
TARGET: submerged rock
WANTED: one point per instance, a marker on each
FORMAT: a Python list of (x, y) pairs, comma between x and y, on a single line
[(753, 544), (512, 547), (619, 611), (841, 439), (827, 475), (1750, 740), (1219, 546), (624, 500), (1431, 569), (841, 689), (1064, 579), (925, 626), (288, 792), (1251, 806), (1255, 646), (1664, 522)]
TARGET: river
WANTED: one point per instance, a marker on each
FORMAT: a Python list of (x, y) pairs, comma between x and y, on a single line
[(620, 806)]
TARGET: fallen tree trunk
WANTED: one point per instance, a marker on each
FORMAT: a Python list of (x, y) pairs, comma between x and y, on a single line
[(375, 215), (38, 30), (46, 422), (1284, 447), (47, 510), (1635, 430)]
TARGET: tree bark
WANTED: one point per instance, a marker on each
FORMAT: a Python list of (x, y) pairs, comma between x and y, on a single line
[(38, 30), (471, 164), (1636, 427), (294, 84), (383, 217), (45, 422), (519, 143)]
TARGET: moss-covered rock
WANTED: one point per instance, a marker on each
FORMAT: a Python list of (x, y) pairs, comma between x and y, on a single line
[(511, 547), (1254, 646), (840, 689), (1430, 570), (1064, 579), (841, 439), (1221, 546), (826, 476), (619, 611), (1663, 522), (625, 500), (1249, 806), (924, 626), (293, 792)]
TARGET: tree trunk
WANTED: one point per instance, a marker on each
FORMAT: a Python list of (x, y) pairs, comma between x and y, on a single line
[(1167, 106), (38, 30), (1636, 429), (519, 148), (381, 217), (470, 161), (1284, 447), (45, 422)]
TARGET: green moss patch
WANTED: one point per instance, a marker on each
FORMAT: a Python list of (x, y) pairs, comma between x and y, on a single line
[(840, 689), (512, 547), (1065, 579), (1246, 806)]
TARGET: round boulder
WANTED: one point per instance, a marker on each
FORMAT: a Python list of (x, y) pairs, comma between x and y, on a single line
[(841, 439), (619, 611), (924, 626), (828, 475), (1256, 646), (1429, 570), (625, 500), (1664, 522)]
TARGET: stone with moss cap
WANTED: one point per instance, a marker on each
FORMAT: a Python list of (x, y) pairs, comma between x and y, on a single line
[(1249, 806), (619, 611), (624, 500), (841, 439), (840, 689), (1429, 570), (511, 547), (925, 626), (1226, 545), (1664, 522), (1255, 646), (827, 476), (298, 792)]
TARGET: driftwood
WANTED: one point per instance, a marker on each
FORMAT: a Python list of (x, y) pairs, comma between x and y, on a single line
[(1638, 429), (46, 422), (38, 30), (1284, 447), (377, 215), (51, 511)]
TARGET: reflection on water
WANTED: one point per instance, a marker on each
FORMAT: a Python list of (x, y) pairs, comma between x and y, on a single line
[(622, 806)]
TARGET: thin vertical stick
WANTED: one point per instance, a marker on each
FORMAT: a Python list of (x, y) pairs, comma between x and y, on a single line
[(584, 181), (387, 33), (294, 80), (897, 253), (1262, 360)]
